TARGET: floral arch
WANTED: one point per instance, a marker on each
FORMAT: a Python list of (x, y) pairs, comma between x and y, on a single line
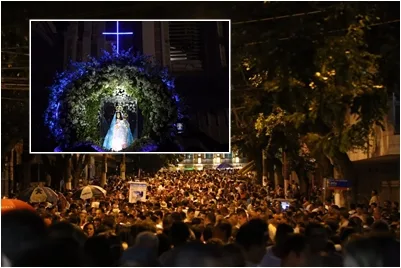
[(78, 95)]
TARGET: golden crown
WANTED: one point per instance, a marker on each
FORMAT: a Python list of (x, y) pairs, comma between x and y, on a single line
[(119, 108)]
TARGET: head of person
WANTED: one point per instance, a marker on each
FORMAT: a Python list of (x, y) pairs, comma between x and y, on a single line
[(233, 219), (242, 216), (380, 227), (179, 233), (359, 209), (104, 250), (374, 192), (294, 251), (282, 232), (74, 208), (89, 229), (147, 240), (252, 237), (97, 223), (223, 231), (196, 254), (233, 256), (66, 230), (317, 237), (100, 213), (210, 219), (344, 215), (20, 229), (190, 214), (122, 217), (376, 250), (56, 253), (83, 215), (207, 233)]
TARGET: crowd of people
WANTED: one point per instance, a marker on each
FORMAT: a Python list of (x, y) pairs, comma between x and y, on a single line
[(202, 218)]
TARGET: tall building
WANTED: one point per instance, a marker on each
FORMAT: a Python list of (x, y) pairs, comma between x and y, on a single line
[(196, 54)]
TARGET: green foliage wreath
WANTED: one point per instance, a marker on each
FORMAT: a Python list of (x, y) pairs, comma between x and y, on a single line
[(73, 115)]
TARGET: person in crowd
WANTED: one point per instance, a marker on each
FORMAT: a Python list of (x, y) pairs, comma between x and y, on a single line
[(145, 251), (252, 237), (89, 229), (374, 198), (223, 231), (376, 250), (21, 229), (293, 251), (273, 255), (200, 218)]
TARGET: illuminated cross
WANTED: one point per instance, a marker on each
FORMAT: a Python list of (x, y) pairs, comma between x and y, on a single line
[(118, 33)]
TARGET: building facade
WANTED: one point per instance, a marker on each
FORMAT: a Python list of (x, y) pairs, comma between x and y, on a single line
[(378, 168), (196, 53), (211, 161)]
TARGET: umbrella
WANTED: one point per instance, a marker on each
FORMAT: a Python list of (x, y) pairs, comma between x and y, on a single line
[(11, 204), (224, 165), (90, 191), (63, 201), (39, 194)]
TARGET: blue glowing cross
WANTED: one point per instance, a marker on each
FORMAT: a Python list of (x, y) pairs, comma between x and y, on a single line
[(118, 33)]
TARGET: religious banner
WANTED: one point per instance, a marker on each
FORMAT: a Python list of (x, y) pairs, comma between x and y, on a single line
[(137, 192)]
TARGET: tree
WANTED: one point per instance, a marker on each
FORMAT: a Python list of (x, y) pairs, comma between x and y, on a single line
[(15, 101), (323, 80), (55, 166), (339, 96), (154, 162)]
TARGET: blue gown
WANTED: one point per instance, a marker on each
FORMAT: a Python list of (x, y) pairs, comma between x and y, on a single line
[(119, 135)]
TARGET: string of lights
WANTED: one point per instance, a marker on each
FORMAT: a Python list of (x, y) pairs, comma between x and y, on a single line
[(329, 32), (14, 88), (15, 53), (277, 17), (15, 99)]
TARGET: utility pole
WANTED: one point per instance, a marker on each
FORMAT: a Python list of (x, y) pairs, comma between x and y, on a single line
[(103, 180)]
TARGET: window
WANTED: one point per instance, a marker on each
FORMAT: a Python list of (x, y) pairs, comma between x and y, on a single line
[(79, 51), (80, 30), (185, 46), (226, 118), (223, 59), (93, 49), (220, 30), (228, 156)]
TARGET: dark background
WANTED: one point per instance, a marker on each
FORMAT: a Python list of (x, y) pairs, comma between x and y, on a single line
[(205, 91)]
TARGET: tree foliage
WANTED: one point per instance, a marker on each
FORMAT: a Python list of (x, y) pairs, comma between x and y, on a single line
[(322, 79), (152, 163), (76, 97), (15, 103)]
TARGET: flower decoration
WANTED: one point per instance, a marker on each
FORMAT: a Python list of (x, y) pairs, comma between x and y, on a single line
[(131, 80)]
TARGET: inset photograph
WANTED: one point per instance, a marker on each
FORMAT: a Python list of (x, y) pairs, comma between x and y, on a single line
[(130, 86)]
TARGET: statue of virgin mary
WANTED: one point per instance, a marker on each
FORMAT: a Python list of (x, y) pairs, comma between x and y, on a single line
[(119, 135)]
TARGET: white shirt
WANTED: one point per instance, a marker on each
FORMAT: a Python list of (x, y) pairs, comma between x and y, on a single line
[(374, 199), (272, 231), (269, 260)]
